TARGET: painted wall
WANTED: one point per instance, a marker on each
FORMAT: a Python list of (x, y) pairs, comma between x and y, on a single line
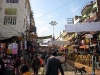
[(22, 15)]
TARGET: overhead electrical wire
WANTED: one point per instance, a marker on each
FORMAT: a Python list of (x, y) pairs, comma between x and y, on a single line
[(5, 27), (80, 8), (42, 15), (9, 26), (22, 12), (56, 9), (48, 12)]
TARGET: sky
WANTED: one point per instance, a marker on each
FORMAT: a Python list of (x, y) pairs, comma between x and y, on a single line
[(46, 11)]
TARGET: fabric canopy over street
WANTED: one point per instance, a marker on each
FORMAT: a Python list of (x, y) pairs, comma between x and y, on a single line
[(44, 37), (55, 43), (93, 26), (44, 44), (60, 42)]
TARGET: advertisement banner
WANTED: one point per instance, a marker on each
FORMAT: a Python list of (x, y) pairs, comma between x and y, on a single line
[(93, 26), (10, 11)]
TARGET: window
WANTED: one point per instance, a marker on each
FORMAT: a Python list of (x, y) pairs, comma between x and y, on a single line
[(7, 1), (12, 1), (10, 20), (25, 4)]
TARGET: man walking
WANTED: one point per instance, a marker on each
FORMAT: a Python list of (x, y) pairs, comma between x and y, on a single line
[(36, 64), (53, 65)]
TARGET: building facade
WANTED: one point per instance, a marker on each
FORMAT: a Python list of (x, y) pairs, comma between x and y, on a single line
[(91, 12), (77, 19), (15, 18)]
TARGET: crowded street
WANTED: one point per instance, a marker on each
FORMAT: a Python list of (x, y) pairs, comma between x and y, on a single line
[(49, 37), (66, 72)]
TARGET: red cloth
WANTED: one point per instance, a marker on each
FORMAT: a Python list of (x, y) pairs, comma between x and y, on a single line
[(41, 61)]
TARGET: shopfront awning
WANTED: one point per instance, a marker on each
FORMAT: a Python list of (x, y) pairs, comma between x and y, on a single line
[(13, 38)]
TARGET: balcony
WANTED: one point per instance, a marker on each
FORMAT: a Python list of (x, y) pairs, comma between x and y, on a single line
[(87, 7), (93, 16), (87, 20), (84, 16), (33, 29)]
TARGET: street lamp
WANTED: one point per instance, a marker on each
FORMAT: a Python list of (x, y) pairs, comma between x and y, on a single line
[(53, 23)]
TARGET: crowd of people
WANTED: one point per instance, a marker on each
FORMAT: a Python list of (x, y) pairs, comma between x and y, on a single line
[(45, 64)]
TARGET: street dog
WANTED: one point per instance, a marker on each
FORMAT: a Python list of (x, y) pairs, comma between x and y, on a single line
[(80, 70)]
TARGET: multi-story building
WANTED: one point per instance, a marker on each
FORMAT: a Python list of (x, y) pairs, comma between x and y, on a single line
[(15, 18), (0, 4), (91, 12), (77, 19)]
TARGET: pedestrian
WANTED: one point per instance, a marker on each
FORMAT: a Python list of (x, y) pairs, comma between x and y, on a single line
[(22, 60), (36, 64), (2, 67), (42, 71), (53, 65), (17, 63), (47, 56), (41, 61), (24, 70)]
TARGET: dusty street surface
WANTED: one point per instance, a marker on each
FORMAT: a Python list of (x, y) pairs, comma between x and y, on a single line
[(66, 72)]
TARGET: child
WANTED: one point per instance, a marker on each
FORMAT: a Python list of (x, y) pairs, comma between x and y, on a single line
[(24, 70), (42, 70)]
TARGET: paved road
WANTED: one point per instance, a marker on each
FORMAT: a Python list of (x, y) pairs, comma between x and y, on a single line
[(66, 72)]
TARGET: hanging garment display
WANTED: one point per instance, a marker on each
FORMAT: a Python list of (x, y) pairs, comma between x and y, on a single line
[(9, 50), (87, 41), (14, 48), (21, 45), (25, 44)]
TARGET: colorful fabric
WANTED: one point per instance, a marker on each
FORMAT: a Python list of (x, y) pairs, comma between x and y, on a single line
[(21, 45), (9, 51), (27, 73), (41, 61), (14, 51), (42, 71)]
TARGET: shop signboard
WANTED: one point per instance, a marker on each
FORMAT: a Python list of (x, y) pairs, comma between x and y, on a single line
[(10, 11)]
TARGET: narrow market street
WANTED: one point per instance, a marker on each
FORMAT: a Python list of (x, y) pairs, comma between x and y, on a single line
[(50, 35), (69, 71), (65, 72)]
